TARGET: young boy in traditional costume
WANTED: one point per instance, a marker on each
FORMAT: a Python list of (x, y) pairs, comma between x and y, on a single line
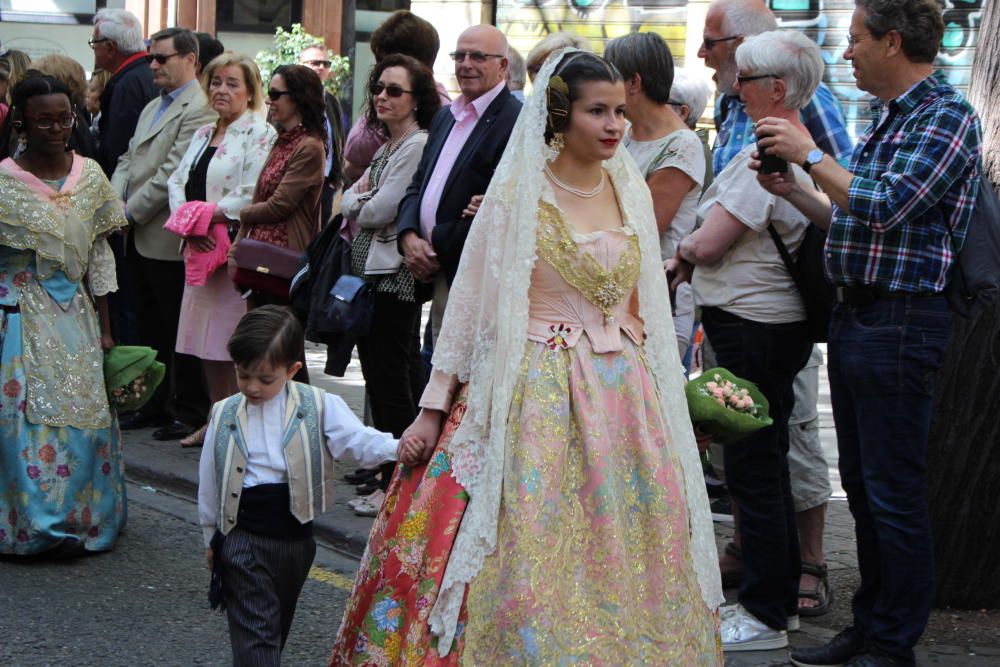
[(266, 471)]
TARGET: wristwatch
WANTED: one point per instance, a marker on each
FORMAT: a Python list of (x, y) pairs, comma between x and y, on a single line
[(815, 156)]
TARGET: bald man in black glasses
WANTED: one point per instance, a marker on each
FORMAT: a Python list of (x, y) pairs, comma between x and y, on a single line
[(466, 139)]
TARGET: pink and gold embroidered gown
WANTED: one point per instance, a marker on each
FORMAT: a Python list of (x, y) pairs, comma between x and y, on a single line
[(592, 564)]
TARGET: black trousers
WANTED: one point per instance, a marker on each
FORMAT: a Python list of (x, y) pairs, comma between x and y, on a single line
[(261, 579), (770, 356), (160, 285), (390, 363)]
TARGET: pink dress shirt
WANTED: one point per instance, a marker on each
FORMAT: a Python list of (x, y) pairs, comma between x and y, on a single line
[(467, 114)]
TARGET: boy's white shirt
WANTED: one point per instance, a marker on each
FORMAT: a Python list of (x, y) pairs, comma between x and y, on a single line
[(344, 432)]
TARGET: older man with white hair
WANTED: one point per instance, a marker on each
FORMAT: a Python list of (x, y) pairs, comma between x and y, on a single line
[(119, 49)]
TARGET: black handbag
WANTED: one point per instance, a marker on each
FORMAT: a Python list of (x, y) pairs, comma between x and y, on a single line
[(810, 279), (350, 306)]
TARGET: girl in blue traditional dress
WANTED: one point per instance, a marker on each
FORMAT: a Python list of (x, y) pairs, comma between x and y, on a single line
[(62, 485)]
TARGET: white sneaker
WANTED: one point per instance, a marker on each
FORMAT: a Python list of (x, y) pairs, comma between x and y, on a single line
[(794, 625), (741, 631)]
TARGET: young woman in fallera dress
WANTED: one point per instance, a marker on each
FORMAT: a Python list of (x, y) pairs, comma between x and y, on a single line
[(552, 507)]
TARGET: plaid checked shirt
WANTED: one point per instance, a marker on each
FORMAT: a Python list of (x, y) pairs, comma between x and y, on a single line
[(823, 118), (916, 173)]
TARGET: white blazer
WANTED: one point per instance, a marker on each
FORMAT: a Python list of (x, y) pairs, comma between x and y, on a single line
[(233, 171)]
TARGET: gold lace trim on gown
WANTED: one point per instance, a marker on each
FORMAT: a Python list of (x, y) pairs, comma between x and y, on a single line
[(605, 288)]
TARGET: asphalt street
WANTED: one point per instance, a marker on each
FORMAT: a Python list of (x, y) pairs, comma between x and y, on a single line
[(145, 602)]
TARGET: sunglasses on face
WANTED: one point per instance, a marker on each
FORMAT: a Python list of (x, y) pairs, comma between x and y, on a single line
[(319, 63), (275, 95), (392, 90), (476, 56), (710, 43), (160, 58), (46, 122)]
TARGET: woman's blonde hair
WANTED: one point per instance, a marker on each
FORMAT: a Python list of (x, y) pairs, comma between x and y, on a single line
[(251, 77), (69, 72)]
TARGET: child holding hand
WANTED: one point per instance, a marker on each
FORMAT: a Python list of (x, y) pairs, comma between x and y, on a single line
[(266, 471)]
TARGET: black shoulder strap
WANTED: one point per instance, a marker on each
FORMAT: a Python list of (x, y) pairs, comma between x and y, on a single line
[(786, 257)]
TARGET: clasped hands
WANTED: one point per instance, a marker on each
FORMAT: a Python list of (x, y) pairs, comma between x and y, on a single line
[(207, 243), (420, 438), (419, 255)]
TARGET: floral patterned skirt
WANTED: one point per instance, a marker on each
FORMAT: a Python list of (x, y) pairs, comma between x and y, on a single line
[(55, 482), (593, 564)]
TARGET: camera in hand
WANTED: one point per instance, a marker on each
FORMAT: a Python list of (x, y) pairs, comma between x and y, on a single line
[(770, 164)]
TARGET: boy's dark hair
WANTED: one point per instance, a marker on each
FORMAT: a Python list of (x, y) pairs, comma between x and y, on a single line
[(269, 333)]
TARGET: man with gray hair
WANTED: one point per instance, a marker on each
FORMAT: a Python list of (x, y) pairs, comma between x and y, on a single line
[(727, 24), (120, 51), (155, 266)]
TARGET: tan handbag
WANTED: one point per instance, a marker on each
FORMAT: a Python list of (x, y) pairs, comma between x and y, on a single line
[(383, 256)]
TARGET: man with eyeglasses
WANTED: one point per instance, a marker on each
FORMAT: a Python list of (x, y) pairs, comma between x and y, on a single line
[(463, 148), (119, 49), (155, 265), (727, 24), (316, 58), (897, 217)]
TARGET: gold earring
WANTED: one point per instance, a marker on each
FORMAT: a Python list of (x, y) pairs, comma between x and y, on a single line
[(557, 142)]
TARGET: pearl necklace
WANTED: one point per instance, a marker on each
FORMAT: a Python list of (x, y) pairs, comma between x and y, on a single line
[(586, 194)]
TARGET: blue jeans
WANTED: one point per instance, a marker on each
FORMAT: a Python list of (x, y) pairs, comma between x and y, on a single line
[(770, 356), (882, 363)]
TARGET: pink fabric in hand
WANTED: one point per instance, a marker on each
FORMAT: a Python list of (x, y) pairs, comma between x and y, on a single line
[(194, 218)]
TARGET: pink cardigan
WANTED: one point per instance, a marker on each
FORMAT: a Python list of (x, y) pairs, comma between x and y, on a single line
[(194, 218)]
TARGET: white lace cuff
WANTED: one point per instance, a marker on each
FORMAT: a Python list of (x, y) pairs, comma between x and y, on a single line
[(101, 269)]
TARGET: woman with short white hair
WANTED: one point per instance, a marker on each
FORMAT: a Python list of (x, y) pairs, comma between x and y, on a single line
[(689, 97), (756, 321)]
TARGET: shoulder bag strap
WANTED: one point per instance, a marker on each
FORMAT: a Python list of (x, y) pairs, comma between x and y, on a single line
[(786, 257)]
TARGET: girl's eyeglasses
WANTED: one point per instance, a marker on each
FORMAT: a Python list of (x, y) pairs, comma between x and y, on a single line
[(46, 122), (275, 95)]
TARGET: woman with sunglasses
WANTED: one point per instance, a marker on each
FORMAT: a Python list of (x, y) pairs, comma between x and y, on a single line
[(62, 487), (286, 202), (402, 100), (221, 167)]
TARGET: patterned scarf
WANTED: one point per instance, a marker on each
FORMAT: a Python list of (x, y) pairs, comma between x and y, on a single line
[(270, 177)]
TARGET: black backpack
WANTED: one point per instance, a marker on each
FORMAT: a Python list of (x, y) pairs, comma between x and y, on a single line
[(975, 277), (810, 279)]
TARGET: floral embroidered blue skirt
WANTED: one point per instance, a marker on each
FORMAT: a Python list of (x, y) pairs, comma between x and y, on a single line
[(56, 483)]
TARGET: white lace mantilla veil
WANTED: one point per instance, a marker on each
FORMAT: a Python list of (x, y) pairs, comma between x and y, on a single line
[(483, 337)]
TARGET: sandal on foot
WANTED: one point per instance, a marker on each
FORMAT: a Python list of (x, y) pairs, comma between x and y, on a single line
[(733, 578), (822, 593), (196, 439)]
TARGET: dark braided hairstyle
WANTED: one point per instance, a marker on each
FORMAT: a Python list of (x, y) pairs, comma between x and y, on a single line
[(35, 85), (574, 70)]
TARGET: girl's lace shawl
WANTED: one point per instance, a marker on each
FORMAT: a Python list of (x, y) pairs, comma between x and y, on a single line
[(61, 227), (482, 340)]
